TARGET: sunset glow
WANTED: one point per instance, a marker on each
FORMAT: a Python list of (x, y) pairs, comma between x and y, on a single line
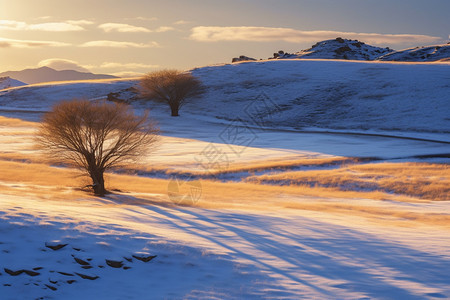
[(212, 149), (134, 37)]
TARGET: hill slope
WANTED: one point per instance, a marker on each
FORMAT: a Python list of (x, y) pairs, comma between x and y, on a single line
[(46, 74), (7, 82), (428, 53), (349, 96), (338, 95), (339, 48)]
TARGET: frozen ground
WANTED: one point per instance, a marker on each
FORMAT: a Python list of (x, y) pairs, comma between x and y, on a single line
[(350, 236), (204, 253)]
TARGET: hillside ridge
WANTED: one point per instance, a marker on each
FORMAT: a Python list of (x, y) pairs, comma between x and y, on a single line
[(347, 49), (47, 74)]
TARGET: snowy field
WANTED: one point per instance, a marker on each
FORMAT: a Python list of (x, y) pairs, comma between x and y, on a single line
[(251, 193)]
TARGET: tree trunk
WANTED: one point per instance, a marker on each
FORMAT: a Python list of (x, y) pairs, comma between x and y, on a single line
[(174, 108), (98, 183)]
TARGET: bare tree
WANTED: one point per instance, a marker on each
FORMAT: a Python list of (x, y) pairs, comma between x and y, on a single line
[(171, 86), (95, 136)]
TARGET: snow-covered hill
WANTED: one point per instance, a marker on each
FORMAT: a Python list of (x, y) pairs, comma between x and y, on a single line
[(301, 223), (7, 82), (428, 53), (338, 48), (325, 94), (370, 97)]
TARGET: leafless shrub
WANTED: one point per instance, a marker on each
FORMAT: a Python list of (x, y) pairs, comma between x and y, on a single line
[(171, 86), (95, 136)]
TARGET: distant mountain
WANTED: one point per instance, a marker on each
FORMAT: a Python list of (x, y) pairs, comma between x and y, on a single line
[(428, 53), (7, 82), (46, 74), (338, 48)]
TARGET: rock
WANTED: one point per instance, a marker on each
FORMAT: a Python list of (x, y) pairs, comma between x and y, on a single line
[(84, 276), (54, 245), (126, 268), (114, 97), (129, 259), (31, 273), (113, 263), (340, 40), (87, 267), (13, 273), (144, 257), (37, 268), (18, 272), (342, 49), (65, 274), (242, 58), (81, 262), (71, 281), (51, 287)]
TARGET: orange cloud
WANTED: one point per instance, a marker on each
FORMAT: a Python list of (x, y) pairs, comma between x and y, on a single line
[(119, 27), (269, 34), (4, 42), (52, 26), (116, 44)]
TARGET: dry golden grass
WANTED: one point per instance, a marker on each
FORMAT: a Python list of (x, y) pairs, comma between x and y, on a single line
[(422, 180), (12, 122), (62, 184), (337, 191), (281, 163)]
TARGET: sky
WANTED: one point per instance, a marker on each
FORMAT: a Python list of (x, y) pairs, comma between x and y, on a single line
[(130, 37)]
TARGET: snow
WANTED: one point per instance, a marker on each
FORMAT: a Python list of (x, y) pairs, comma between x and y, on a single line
[(300, 95), (8, 82), (351, 96), (339, 48), (424, 54), (238, 240), (223, 253)]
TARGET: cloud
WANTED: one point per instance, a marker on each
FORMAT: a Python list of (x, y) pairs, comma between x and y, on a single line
[(53, 26), (12, 25), (119, 27), (143, 18), (182, 22), (44, 18), (29, 43), (80, 22), (115, 44), (270, 34), (62, 64), (164, 29)]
